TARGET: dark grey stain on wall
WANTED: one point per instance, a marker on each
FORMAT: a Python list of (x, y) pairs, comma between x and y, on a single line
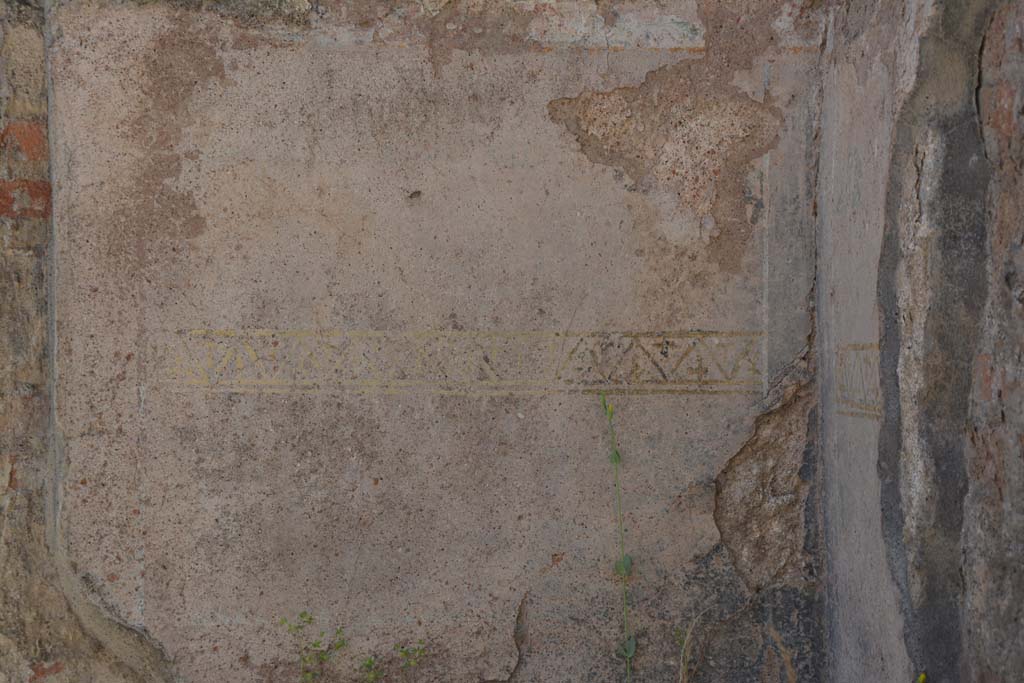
[(939, 119)]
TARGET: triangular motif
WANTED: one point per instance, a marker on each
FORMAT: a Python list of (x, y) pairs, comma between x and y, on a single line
[(637, 365)]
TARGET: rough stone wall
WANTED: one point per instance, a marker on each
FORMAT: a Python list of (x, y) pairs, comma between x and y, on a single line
[(993, 526), (914, 265)]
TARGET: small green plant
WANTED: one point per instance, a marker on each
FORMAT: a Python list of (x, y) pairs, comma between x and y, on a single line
[(411, 654), (314, 655), (623, 565), (683, 641), (371, 670), (921, 678)]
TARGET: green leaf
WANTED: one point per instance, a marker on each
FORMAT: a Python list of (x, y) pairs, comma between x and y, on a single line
[(624, 566), (616, 457), (627, 648)]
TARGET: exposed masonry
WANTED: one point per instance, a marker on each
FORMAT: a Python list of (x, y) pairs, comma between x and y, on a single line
[(993, 533), (659, 134), (689, 131), (762, 495)]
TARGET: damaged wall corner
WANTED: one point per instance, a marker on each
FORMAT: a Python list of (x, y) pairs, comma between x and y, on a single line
[(761, 499)]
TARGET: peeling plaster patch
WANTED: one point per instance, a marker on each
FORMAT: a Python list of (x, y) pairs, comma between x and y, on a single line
[(671, 137), (557, 23), (761, 496), (689, 132), (792, 29), (694, 155), (25, 88), (432, 7), (252, 11), (445, 25), (156, 196)]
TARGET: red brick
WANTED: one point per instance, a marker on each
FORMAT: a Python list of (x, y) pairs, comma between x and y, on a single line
[(41, 670), (28, 137), (24, 199)]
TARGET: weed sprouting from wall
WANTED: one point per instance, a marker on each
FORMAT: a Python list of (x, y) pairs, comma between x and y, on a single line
[(371, 670), (314, 655), (411, 654), (624, 564), (684, 641)]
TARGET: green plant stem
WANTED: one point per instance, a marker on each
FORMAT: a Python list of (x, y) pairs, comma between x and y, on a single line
[(622, 551), (616, 463), (684, 646), (684, 650)]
